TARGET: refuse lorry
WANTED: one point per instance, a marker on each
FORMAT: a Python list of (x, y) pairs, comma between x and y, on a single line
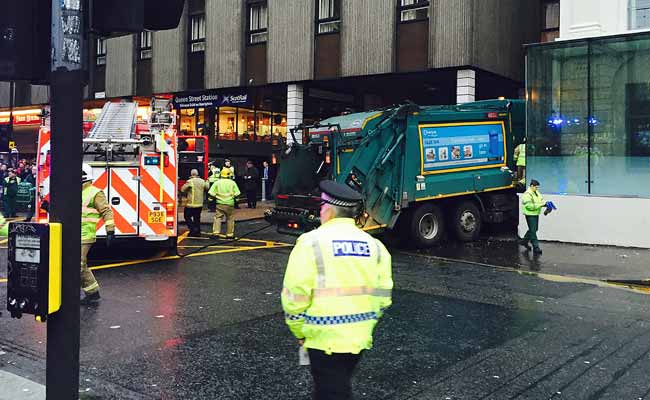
[(423, 171)]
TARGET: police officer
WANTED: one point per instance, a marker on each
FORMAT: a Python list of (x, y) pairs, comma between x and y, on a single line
[(215, 172), (532, 202), (94, 207), (225, 191), (337, 285), (195, 188)]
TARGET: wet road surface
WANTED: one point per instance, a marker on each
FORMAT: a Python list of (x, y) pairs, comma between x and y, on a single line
[(210, 326)]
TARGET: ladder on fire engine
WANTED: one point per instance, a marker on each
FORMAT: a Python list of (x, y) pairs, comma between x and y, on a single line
[(116, 121)]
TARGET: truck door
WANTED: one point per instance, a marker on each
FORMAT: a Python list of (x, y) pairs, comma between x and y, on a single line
[(123, 195)]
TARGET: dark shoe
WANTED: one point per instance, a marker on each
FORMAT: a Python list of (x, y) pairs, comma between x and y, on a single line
[(524, 243), (90, 299), (537, 250)]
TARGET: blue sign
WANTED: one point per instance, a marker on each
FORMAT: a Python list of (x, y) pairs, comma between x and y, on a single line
[(210, 99), (471, 145)]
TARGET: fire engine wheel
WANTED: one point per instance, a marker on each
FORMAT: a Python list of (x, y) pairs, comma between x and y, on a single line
[(427, 225), (466, 221)]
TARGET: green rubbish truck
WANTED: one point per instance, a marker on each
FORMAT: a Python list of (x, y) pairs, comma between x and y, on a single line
[(423, 171)]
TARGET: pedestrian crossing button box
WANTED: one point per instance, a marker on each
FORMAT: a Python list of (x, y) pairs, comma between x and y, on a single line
[(34, 269)]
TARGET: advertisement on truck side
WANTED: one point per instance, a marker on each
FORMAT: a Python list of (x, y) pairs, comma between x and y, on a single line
[(461, 146)]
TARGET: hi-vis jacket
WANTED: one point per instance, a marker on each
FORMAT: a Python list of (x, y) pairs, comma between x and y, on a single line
[(94, 207), (337, 284), (532, 202), (195, 187)]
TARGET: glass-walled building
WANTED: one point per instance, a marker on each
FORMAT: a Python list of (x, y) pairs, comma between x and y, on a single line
[(588, 136)]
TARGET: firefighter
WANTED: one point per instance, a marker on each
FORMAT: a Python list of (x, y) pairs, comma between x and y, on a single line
[(195, 187), (214, 176), (225, 191), (532, 202), (336, 286), (94, 207), (520, 159)]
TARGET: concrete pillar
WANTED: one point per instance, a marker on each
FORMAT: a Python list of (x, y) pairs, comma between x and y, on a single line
[(465, 86), (295, 100)]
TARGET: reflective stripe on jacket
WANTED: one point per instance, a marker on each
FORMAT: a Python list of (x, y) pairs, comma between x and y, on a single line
[(196, 188), (532, 202), (520, 155), (337, 284), (225, 191), (94, 207), (4, 226)]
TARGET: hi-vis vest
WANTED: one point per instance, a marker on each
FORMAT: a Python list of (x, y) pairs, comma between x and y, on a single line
[(532, 202), (4, 226), (225, 191), (520, 155), (197, 189), (337, 284), (89, 215)]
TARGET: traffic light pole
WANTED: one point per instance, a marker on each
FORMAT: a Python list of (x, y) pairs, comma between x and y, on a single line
[(66, 101)]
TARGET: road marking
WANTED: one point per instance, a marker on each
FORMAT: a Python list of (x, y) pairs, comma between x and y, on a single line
[(3, 241), (207, 247), (182, 237), (547, 277)]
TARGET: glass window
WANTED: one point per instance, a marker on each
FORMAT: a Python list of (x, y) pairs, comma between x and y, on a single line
[(197, 33), (246, 131), (556, 145), (639, 14), (144, 45), (188, 121), (227, 123), (329, 16), (413, 10), (100, 52), (263, 132), (550, 21), (258, 21), (279, 126)]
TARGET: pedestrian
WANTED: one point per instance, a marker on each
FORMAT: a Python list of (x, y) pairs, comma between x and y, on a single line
[(212, 178), (225, 191), (532, 202), (228, 165), (10, 193), (520, 160), (31, 207), (195, 189), (251, 182), (94, 207), (337, 285), (267, 180)]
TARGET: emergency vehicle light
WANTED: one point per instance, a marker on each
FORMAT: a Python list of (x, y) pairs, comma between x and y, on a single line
[(492, 115)]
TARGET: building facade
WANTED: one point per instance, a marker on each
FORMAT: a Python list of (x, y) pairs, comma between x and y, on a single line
[(589, 123), (243, 72)]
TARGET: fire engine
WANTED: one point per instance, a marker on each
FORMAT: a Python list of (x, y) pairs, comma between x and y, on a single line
[(136, 170)]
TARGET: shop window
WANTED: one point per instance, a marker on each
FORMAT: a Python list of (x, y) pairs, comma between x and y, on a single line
[(188, 121), (200, 122), (639, 14), (264, 126), (258, 21), (329, 16), (197, 33), (226, 123), (550, 21), (279, 127), (100, 51), (413, 10), (144, 45), (589, 116), (246, 131)]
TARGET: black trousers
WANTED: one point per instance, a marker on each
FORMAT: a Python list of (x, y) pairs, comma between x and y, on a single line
[(332, 374), (193, 220), (251, 198)]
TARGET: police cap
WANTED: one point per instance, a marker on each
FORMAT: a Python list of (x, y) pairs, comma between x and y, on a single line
[(340, 195)]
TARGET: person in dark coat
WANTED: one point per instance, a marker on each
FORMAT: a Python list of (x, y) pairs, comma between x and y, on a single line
[(251, 183)]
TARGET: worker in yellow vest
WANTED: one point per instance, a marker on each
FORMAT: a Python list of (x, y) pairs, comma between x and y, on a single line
[(520, 160), (337, 284), (4, 226), (225, 191), (195, 188), (94, 207)]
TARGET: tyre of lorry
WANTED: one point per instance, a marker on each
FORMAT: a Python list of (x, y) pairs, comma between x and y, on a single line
[(466, 221), (426, 225)]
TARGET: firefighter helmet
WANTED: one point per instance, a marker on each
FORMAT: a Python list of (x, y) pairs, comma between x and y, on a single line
[(225, 173)]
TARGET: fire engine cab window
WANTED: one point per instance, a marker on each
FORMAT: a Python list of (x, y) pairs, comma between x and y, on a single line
[(413, 10), (227, 123)]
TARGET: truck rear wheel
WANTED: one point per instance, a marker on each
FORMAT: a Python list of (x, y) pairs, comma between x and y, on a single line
[(427, 226), (466, 221)]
